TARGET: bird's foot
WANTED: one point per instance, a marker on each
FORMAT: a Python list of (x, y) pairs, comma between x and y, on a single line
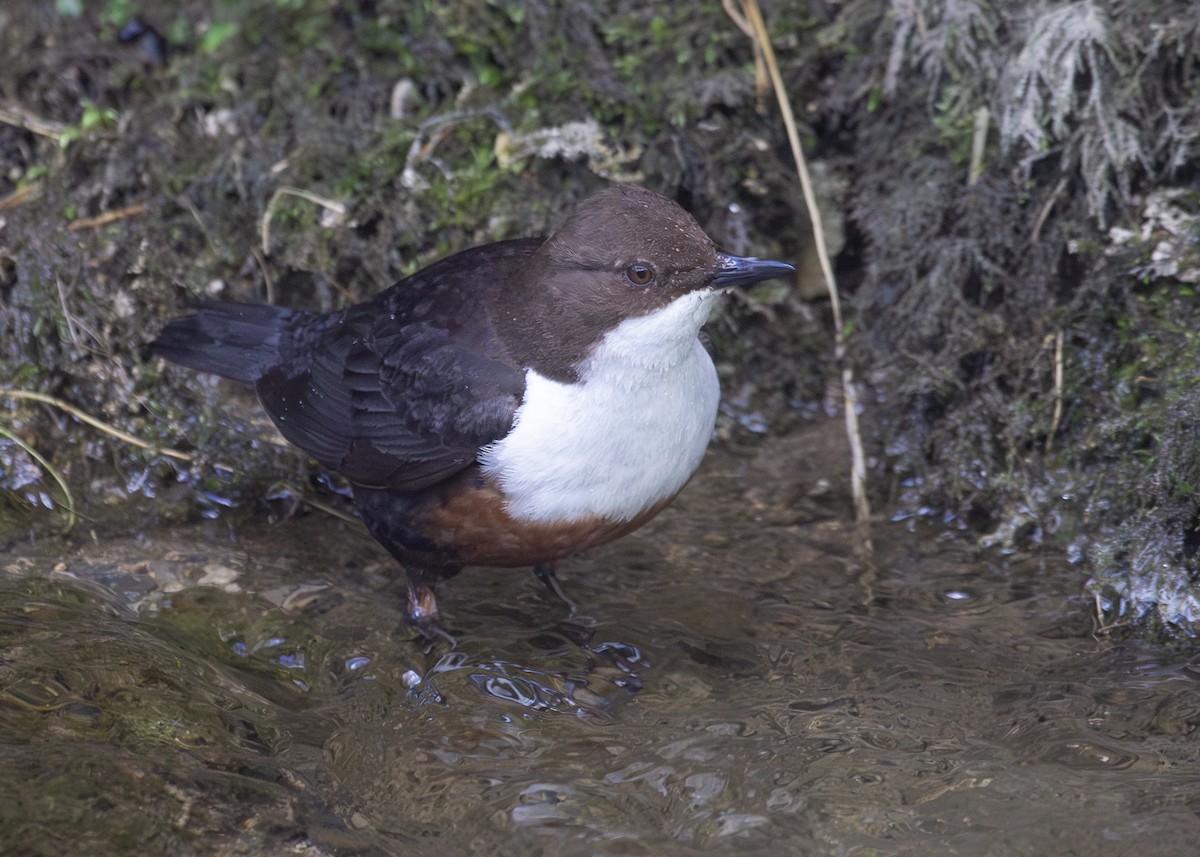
[(422, 614), (545, 573)]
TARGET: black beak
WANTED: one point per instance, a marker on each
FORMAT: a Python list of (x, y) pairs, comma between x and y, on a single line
[(743, 270)]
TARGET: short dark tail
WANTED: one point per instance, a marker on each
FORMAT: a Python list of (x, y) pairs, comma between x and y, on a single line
[(237, 341)]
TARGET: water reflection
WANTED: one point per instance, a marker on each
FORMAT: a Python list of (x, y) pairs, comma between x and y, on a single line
[(743, 685)]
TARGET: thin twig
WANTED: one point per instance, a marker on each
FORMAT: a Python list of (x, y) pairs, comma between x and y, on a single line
[(20, 196), (107, 217), (72, 333), (185, 202), (22, 118), (120, 435), (739, 20), (858, 473), (329, 510), (1036, 234), (978, 143), (333, 205), (95, 423), (761, 83), (1058, 392), (1101, 627), (268, 283)]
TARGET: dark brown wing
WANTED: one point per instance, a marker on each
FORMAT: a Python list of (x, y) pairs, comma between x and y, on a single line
[(401, 392)]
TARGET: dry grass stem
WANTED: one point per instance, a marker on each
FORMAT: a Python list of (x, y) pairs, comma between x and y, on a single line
[(19, 117), (1058, 392), (1036, 233), (20, 196), (761, 82), (68, 498), (329, 510), (338, 209), (125, 437), (983, 121), (107, 217), (858, 471), (268, 281)]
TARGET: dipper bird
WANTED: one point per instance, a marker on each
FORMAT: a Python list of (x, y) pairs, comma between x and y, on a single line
[(508, 405)]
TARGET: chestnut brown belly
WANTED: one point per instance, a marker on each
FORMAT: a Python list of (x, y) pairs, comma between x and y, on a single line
[(467, 520)]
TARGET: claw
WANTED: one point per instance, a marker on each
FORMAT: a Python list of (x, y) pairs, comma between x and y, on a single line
[(545, 573)]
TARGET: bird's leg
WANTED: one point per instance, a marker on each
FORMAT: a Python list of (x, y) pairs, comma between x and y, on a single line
[(545, 573), (421, 609)]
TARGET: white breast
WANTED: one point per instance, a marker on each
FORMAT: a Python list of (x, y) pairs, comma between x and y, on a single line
[(629, 434)]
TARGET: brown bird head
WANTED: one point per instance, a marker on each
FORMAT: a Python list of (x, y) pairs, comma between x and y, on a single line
[(625, 252)]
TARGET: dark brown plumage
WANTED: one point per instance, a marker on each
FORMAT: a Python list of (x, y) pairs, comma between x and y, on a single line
[(414, 395)]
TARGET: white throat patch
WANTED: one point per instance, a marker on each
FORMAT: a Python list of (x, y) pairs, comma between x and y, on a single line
[(629, 434)]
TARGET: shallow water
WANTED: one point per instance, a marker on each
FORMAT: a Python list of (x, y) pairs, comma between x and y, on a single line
[(741, 683)]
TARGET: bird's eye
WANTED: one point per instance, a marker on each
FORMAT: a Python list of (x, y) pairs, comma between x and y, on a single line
[(639, 275)]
